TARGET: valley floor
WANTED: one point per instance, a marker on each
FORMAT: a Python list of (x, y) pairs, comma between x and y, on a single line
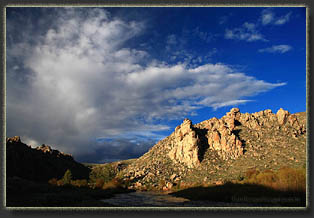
[(228, 195)]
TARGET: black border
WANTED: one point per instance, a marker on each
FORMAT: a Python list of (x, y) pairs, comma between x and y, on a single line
[(160, 3)]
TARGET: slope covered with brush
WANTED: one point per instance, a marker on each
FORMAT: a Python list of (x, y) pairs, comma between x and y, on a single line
[(218, 150)]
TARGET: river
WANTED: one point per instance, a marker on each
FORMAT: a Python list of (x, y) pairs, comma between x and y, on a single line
[(156, 199)]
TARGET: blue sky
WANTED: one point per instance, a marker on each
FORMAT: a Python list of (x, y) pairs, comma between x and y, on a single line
[(107, 83)]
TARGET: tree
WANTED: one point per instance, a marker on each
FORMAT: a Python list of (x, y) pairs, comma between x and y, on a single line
[(67, 177)]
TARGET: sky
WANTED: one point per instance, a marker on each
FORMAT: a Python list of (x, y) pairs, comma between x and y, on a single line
[(105, 84)]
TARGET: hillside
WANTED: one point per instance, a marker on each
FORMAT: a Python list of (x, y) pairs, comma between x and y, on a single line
[(40, 164), (219, 150)]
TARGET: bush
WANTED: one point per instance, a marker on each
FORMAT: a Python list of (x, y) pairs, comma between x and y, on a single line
[(114, 183), (60, 182), (105, 172), (79, 183), (99, 183), (292, 179), (251, 173), (285, 179), (53, 181), (67, 177), (266, 178)]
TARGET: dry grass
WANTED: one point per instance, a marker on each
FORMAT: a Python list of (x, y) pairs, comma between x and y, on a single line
[(113, 184), (284, 179)]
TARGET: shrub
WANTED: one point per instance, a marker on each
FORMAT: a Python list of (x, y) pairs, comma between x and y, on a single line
[(105, 172), (162, 183), (266, 178), (292, 179), (99, 183), (60, 182), (53, 181), (251, 173), (83, 183), (285, 179), (67, 177), (114, 183)]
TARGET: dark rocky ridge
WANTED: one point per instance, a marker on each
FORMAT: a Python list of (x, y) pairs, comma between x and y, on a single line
[(40, 164), (217, 150)]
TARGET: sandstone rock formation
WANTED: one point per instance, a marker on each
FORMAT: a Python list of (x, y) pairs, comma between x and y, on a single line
[(282, 116), (218, 148), (222, 138), (185, 146)]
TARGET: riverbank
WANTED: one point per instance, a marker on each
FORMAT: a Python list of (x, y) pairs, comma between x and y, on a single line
[(162, 199), (24, 193), (244, 194)]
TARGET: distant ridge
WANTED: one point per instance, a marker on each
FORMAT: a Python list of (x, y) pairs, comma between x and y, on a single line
[(41, 163)]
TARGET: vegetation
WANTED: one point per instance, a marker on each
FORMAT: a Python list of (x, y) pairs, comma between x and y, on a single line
[(67, 177), (284, 187), (101, 174), (284, 179), (25, 193)]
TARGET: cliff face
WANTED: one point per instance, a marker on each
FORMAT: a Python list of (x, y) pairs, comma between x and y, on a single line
[(185, 148), (218, 148), (41, 163)]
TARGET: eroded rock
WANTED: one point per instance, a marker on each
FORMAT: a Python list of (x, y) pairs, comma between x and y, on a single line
[(185, 146), (282, 116)]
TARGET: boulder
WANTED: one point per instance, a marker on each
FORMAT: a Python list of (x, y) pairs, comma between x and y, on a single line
[(282, 116)]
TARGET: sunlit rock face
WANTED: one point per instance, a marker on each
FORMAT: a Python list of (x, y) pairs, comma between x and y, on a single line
[(185, 146), (282, 116), (221, 136), (206, 150)]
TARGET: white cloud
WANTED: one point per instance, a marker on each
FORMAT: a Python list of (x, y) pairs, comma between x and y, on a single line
[(277, 49), (268, 17), (246, 32), (85, 83), (230, 103), (249, 31), (283, 19)]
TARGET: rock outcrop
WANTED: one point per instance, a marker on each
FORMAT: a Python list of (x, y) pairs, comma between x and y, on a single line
[(217, 148), (185, 145), (282, 116), (41, 163), (221, 136)]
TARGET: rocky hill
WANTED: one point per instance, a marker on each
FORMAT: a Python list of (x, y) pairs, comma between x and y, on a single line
[(41, 163), (218, 150)]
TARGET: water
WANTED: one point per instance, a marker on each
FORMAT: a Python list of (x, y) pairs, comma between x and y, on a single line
[(155, 199)]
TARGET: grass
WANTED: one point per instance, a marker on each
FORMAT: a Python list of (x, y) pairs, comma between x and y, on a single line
[(284, 187), (284, 179)]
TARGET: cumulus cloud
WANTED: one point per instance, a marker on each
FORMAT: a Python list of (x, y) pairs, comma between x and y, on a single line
[(81, 83), (247, 32), (277, 49), (268, 17)]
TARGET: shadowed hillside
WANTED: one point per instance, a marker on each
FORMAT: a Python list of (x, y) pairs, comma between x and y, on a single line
[(40, 164)]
